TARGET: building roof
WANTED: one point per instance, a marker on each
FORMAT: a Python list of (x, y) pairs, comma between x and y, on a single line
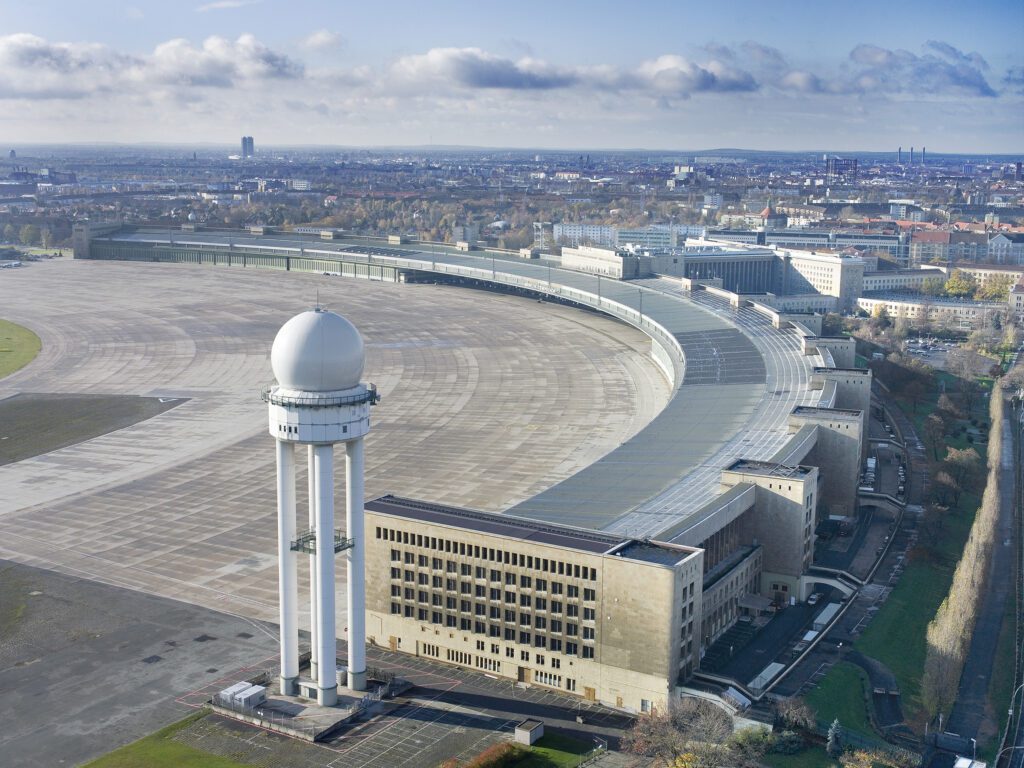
[(810, 410), (768, 468), (930, 236), (532, 531)]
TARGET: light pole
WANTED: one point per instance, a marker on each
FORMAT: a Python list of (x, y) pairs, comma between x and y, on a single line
[(1004, 750), (641, 305)]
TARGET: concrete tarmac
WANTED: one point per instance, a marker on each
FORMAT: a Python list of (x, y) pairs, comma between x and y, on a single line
[(487, 399)]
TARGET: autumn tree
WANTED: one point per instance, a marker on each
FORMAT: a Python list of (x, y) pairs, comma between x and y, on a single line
[(996, 288), (691, 729), (29, 234), (961, 284)]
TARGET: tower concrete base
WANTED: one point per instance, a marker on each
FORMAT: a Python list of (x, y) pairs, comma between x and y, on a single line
[(327, 697), (357, 680), (289, 686)]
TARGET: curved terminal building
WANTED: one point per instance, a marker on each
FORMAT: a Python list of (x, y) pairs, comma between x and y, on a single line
[(616, 583)]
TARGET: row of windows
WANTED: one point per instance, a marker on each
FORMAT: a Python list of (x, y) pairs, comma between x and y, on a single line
[(482, 593), (571, 591), (510, 634), (542, 564), (554, 626)]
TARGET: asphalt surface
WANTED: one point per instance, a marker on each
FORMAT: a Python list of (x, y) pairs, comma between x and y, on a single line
[(85, 667)]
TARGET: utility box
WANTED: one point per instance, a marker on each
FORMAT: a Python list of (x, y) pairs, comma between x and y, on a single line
[(397, 239), (528, 731), (252, 696), (232, 691)]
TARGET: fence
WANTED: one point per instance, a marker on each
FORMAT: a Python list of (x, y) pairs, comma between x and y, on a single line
[(266, 717)]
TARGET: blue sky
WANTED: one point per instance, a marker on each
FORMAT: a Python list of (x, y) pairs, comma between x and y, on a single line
[(673, 75)]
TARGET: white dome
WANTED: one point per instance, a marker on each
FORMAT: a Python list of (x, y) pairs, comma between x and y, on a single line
[(318, 351)]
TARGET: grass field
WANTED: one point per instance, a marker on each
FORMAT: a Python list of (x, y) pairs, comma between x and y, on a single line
[(896, 635), (840, 696), (159, 750), (31, 424), (555, 751), (18, 347)]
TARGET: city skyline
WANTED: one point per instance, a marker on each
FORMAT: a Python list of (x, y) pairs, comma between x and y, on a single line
[(788, 77)]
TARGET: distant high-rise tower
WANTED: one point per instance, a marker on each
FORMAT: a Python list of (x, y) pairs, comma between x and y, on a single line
[(911, 155), (248, 148), (12, 155), (923, 150), (838, 170), (899, 156)]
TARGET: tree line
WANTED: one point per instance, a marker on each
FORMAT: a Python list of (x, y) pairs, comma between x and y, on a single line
[(949, 633)]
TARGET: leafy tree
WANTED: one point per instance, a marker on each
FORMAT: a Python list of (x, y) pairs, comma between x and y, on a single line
[(995, 288), (834, 745), (946, 488), (932, 286), (880, 319), (960, 284), (9, 233), (29, 234), (934, 431)]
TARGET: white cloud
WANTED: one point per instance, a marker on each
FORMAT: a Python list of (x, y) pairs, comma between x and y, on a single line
[(222, 5), (34, 68), (322, 38)]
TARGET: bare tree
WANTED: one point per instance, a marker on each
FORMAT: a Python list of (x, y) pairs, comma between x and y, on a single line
[(794, 713), (690, 729)]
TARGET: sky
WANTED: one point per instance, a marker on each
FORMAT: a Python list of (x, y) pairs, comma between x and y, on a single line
[(652, 74)]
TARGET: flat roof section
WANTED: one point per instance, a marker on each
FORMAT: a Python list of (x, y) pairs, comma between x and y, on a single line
[(767, 468), (494, 524), (652, 552), (812, 410), (723, 356)]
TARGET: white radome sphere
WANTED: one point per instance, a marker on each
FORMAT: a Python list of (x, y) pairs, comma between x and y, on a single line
[(318, 351)]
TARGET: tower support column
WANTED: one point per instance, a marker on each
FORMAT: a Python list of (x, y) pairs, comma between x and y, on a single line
[(287, 569), (327, 649), (311, 483), (355, 558)]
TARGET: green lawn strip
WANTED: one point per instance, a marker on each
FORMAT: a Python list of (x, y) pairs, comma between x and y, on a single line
[(159, 750), (554, 750), (840, 695), (1001, 681), (896, 636), (18, 347), (813, 757)]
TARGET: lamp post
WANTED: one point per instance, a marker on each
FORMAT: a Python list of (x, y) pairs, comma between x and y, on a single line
[(1004, 750)]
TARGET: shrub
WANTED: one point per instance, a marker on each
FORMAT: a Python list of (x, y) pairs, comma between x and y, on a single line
[(503, 755)]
